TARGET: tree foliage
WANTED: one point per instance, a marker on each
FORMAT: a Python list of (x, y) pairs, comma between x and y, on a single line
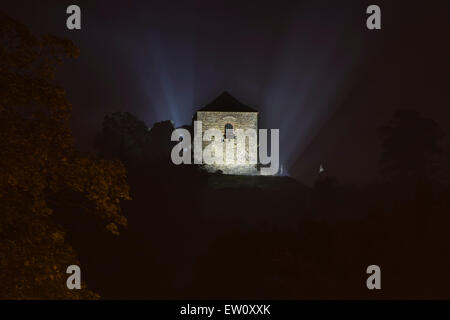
[(39, 164), (130, 140), (123, 137)]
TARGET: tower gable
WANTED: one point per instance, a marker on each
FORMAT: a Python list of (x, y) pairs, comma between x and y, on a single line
[(226, 102)]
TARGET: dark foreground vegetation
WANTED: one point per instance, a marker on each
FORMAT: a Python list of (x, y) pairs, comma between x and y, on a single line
[(198, 235), (141, 227)]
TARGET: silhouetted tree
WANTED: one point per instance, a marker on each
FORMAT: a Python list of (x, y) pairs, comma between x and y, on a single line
[(40, 165), (160, 142), (123, 137)]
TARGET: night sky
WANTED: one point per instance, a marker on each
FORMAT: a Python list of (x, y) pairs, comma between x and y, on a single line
[(311, 68)]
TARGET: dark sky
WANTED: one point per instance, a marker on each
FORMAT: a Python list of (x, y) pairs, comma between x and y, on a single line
[(311, 68)]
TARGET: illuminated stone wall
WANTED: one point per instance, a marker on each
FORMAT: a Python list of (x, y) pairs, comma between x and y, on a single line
[(239, 120)]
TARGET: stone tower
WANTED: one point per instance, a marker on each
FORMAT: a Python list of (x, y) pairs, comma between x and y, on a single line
[(227, 114)]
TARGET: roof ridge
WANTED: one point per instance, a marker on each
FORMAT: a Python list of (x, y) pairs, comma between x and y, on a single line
[(226, 102)]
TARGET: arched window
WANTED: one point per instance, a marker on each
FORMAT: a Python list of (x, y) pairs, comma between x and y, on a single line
[(229, 131)]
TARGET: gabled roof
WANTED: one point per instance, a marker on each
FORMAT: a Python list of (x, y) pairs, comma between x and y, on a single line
[(226, 102)]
